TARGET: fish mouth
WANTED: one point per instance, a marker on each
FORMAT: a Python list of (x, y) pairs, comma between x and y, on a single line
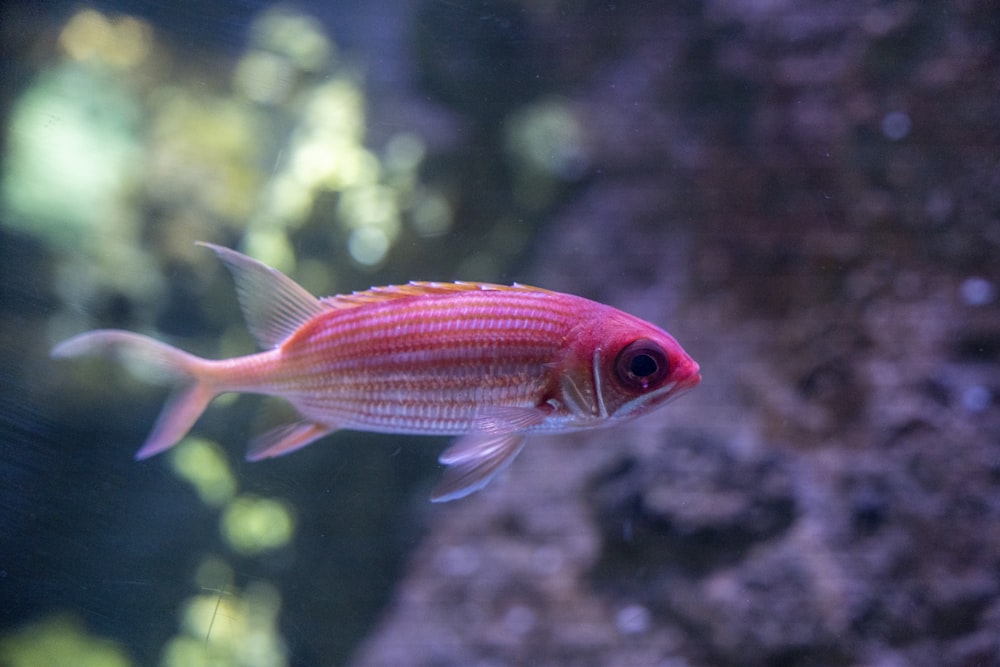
[(690, 382), (684, 385), (691, 377)]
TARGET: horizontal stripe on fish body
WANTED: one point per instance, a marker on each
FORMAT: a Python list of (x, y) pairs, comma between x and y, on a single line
[(444, 321), (405, 376), (412, 406), (406, 338)]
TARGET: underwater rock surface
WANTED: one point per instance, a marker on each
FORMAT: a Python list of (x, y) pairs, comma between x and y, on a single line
[(805, 195)]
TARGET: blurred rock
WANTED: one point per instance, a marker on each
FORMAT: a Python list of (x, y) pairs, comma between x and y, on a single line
[(804, 194)]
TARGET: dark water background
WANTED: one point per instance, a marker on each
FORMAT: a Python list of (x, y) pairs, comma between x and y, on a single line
[(806, 194)]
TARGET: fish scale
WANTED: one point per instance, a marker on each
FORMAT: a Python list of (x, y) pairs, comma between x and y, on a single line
[(489, 363), (502, 353)]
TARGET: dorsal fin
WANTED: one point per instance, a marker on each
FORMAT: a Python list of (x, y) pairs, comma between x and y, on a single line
[(273, 304), (414, 288)]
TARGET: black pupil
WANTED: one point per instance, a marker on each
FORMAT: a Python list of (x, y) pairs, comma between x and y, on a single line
[(642, 365)]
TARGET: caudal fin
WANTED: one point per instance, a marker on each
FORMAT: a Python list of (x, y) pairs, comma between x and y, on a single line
[(187, 403)]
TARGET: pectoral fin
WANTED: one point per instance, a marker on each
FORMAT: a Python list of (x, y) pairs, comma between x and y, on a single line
[(473, 461), (499, 420), (285, 439)]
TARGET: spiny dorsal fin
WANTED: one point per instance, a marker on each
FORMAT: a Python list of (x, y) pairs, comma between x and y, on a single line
[(414, 288), (273, 304)]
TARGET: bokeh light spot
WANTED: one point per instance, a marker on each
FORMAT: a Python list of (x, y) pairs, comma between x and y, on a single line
[(432, 215), (404, 152), (59, 640), (896, 125), (85, 34), (202, 463), (214, 574), (252, 525), (977, 291), (74, 132), (264, 77), (549, 139), (123, 42), (225, 629), (294, 35), (367, 245), (271, 247)]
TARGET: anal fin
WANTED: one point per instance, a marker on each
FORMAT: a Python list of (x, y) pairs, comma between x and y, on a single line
[(285, 439), (473, 461)]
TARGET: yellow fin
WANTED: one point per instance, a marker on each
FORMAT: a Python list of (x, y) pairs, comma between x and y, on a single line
[(415, 288)]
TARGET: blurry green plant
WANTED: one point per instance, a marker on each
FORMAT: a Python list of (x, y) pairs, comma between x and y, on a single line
[(59, 639), (228, 629), (220, 625), (119, 160)]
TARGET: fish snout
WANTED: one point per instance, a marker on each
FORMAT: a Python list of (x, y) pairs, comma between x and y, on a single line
[(688, 378)]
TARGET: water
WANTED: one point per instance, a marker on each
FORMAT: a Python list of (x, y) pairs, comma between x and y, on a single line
[(802, 195)]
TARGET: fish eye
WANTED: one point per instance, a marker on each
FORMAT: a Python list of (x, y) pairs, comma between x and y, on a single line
[(641, 364)]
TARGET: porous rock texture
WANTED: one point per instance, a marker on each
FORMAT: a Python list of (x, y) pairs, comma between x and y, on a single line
[(807, 196)]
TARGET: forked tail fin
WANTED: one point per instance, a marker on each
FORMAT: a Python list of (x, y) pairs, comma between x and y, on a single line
[(188, 401)]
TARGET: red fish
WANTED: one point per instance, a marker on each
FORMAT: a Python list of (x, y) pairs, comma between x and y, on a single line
[(486, 362)]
